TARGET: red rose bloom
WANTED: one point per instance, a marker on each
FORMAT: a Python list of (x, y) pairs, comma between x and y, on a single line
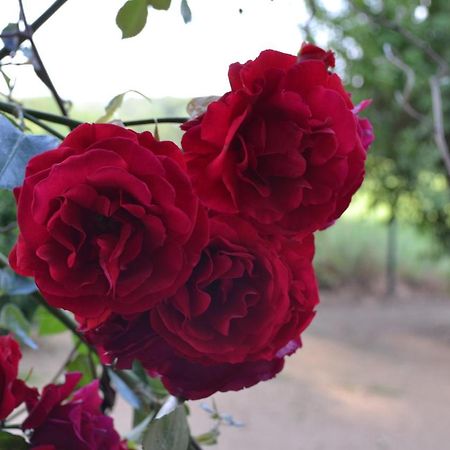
[(246, 299), (230, 326), (124, 340), (77, 424), (283, 148), (12, 391), (108, 222)]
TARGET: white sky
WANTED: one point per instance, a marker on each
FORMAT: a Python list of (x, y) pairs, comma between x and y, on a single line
[(82, 48)]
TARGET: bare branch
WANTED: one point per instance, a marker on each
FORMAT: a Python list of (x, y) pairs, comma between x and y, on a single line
[(403, 97), (423, 45), (38, 64), (36, 24), (438, 121)]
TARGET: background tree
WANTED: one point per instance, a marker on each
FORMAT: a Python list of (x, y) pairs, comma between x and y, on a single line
[(397, 55)]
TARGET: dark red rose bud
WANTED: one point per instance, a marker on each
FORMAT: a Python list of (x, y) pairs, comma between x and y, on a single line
[(12, 390), (311, 51), (76, 424), (108, 222)]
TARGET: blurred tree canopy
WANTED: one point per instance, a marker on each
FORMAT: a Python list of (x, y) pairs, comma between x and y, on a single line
[(396, 52)]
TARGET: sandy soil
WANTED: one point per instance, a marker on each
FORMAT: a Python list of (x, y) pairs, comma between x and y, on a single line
[(371, 376)]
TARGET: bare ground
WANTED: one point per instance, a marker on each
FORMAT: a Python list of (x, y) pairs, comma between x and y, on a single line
[(371, 376)]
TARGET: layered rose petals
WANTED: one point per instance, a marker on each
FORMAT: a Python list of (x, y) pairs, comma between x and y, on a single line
[(76, 424), (124, 340), (232, 323), (240, 303), (108, 222), (284, 148), (12, 390)]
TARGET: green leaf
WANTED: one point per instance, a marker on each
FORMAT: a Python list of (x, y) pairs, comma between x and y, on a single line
[(13, 284), (159, 4), (185, 11), (81, 364), (209, 438), (48, 324), (132, 17), (135, 435), (16, 148), (10, 441), (125, 391), (199, 105), (12, 319), (171, 432), (170, 405), (115, 103), (11, 37)]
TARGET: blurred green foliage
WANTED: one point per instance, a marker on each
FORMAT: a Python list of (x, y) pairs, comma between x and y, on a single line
[(372, 39), (352, 253)]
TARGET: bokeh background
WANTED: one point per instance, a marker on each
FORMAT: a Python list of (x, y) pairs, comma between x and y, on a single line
[(373, 372)]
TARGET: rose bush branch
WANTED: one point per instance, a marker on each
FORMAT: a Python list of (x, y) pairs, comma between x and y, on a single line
[(47, 14), (13, 108), (38, 64)]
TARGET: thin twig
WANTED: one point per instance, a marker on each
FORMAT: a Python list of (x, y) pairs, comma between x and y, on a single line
[(39, 66), (48, 117), (67, 361), (45, 127), (36, 24), (54, 118), (403, 98), (62, 317), (408, 35), (130, 123), (438, 121)]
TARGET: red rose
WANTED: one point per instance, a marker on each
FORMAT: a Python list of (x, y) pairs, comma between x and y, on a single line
[(123, 340), (233, 322), (77, 424), (108, 222), (12, 391), (246, 299), (283, 148)]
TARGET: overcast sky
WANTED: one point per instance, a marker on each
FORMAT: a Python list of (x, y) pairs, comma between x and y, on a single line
[(88, 61)]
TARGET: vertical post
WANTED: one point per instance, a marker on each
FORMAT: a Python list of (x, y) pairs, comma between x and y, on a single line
[(391, 256)]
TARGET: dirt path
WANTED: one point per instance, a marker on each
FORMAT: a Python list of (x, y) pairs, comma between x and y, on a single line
[(370, 377)]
